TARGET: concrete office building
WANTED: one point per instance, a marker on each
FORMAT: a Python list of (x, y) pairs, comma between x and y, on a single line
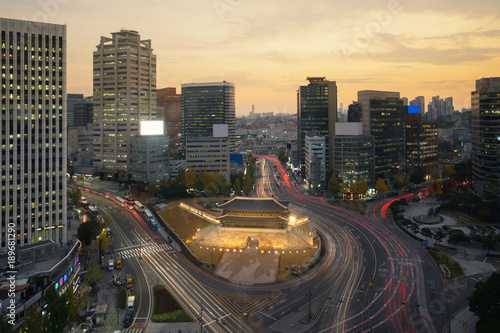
[(485, 131), (208, 154), (170, 102), (34, 132), (353, 154), (315, 161), (382, 116), (150, 153), (317, 111), (124, 95), (205, 105)]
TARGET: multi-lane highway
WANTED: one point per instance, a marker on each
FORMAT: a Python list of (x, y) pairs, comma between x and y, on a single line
[(371, 277)]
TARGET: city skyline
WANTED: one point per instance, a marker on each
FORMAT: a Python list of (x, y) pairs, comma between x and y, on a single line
[(266, 49)]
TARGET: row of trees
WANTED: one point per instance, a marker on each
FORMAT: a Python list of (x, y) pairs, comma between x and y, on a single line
[(353, 188), (210, 183)]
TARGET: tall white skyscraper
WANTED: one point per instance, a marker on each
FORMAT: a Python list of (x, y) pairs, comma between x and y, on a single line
[(420, 102), (124, 95), (34, 132)]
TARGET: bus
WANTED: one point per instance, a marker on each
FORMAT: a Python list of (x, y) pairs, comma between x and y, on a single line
[(92, 210), (127, 198), (138, 206), (153, 224), (151, 219), (148, 214), (122, 202)]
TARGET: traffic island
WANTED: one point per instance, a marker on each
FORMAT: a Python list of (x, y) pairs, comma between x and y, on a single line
[(166, 309)]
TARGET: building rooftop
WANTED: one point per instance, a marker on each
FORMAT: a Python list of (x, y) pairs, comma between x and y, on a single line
[(254, 204)]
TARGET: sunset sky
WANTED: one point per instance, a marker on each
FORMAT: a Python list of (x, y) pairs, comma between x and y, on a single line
[(268, 48)]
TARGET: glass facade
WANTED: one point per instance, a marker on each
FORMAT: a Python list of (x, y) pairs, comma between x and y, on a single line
[(317, 111), (421, 144), (204, 105), (485, 130), (387, 126), (353, 158)]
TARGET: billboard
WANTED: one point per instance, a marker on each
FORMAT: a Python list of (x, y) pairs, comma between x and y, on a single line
[(221, 130), (413, 109), (151, 127)]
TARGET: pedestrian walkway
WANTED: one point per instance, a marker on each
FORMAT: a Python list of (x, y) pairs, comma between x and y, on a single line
[(137, 251), (455, 284), (133, 330)]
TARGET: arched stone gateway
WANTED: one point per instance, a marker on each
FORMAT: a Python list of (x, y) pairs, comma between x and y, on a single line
[(253, 243)]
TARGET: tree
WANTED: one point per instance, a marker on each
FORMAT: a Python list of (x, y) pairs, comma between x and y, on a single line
[(34, 322), (426, 232), (247, 184), (333, 185), (237, 186), (57, 311), (5, 326), (353, 187), (75, 302), (435, 174), (88, 231), (489, 244), (190, 178), (75, 194), (343, 189), (105, 239), (484, 299), (417, 176), (449, 170), (282, 157), (93, 275), (381, 186), (414, 228), (439, 235), (362, 187)]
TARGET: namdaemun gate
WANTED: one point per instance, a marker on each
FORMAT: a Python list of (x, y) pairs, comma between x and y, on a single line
[(266, 221)]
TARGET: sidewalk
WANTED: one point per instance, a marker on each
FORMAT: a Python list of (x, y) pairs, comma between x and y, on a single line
[(462, 321)]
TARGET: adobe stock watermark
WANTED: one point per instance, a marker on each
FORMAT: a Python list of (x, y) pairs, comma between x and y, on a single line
[(223, 7), (47, 9), (363, 36), (11, 273)]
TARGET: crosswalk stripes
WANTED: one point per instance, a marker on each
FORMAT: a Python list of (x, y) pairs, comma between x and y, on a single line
[(129, 253), (133, 330), (455, 284)]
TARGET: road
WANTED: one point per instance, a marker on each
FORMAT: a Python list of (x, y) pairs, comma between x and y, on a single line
[(371, 277)]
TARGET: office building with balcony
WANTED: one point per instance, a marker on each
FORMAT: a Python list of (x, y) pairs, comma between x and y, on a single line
[(124, 95)]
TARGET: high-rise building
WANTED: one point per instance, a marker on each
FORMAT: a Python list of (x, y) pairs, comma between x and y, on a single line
[(485, 131), (317, 111), (420, 102), (150, 154), (353, 154), (354, 113), (34, 132), (205, 105), (448, 106), (79, 110), (382, 116), (124, 95), (421, 144), (170, 101), (315, 160)]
